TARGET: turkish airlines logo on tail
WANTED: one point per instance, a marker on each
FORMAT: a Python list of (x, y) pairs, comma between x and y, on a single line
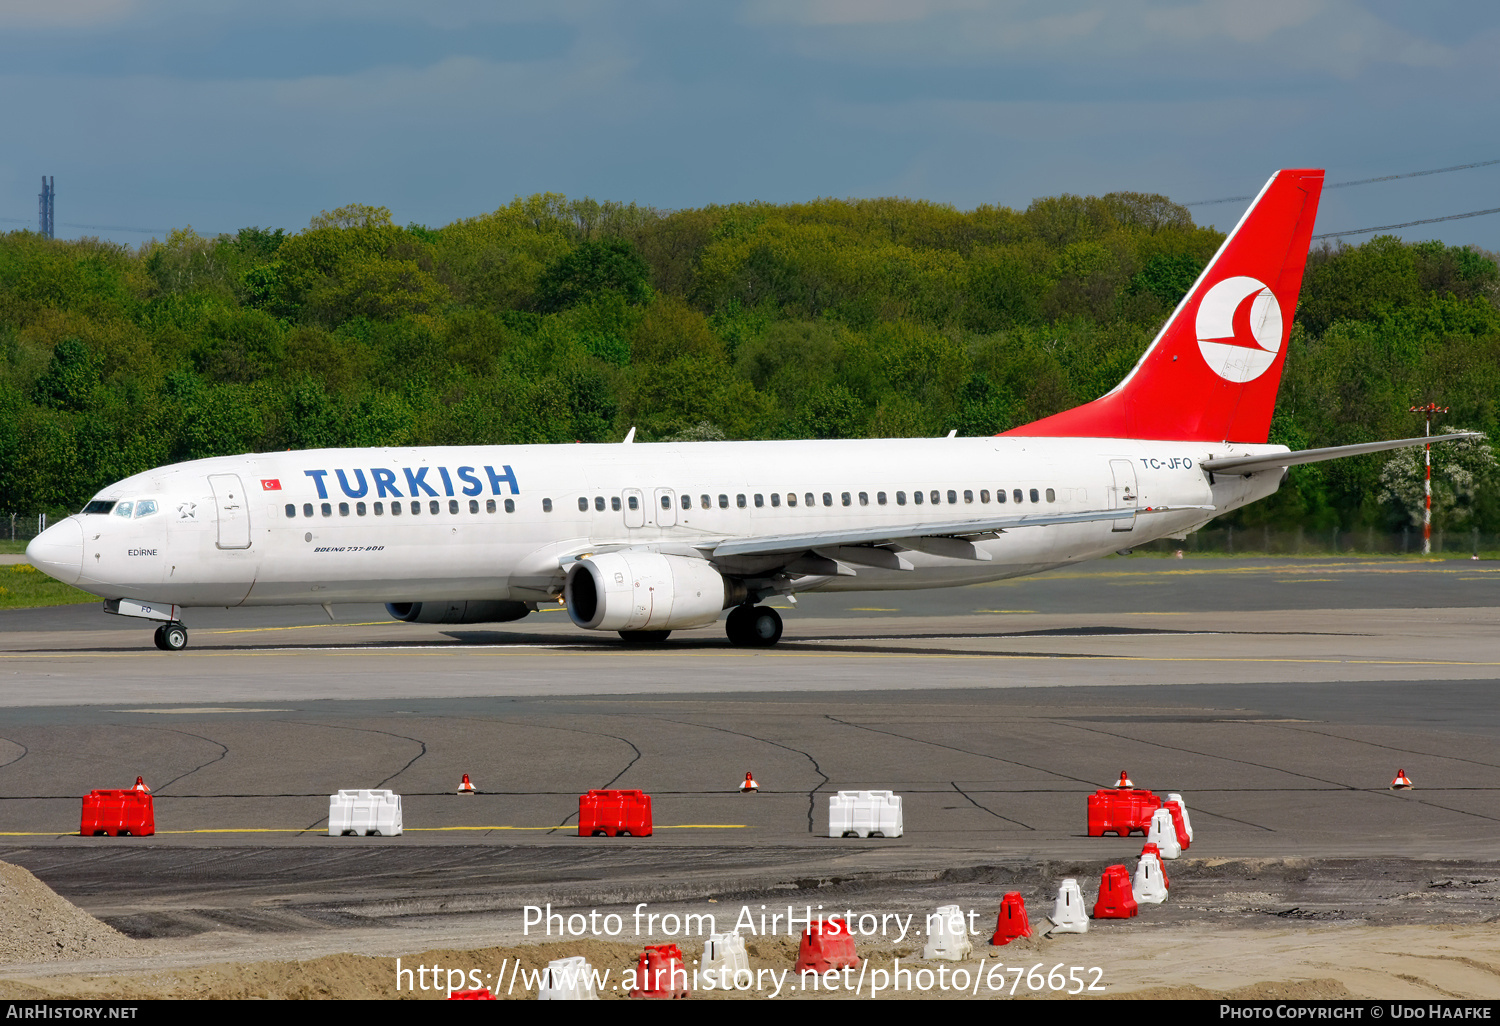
[(1239, 328)]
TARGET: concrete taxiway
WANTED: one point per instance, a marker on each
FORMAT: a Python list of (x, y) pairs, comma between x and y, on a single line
[(1279, 696)]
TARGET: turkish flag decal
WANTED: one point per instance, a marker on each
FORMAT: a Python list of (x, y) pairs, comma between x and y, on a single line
[(270, 484)]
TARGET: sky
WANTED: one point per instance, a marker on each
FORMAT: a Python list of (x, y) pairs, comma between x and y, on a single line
[(158, 114)]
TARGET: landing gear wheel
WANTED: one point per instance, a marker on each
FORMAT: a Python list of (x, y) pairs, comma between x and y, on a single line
[(753, 627), (171, 637), (644, 637)]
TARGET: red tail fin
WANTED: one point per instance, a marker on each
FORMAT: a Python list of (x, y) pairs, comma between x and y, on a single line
[(1212, 373)]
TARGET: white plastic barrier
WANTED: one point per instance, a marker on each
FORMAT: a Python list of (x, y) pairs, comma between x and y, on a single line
[(1163, 834), (364, 812), (567, 979), (724, 955), (1187, 821), (1068, 914), (864, 814), (948, 935), (1149, 886)]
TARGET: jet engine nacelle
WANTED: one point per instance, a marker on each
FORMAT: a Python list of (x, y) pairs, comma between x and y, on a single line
[(638, 591), (457, 612)]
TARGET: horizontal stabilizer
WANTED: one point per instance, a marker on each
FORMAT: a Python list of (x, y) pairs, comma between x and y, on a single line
[(1252, 464)]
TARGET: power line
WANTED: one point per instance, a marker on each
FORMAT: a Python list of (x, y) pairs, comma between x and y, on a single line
[(94, 227), (1409, 224), (1361, 181)]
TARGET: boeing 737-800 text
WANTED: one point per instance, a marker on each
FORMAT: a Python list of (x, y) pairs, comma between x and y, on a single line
[(647, 539)]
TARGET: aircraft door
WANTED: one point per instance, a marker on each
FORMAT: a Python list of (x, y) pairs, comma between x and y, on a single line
[(635, 508), (666, 508), (1123, 493), (234, 511)]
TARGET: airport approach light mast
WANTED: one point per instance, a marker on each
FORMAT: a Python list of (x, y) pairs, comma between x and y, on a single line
[(1429, 410)]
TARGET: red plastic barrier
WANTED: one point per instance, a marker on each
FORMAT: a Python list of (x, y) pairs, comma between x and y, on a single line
[(1154, 850), (1121, 811), (1179, 824), (660, 972), (613, 813), (1116, 899), (117, 812), (827, 944), (1012, 922), (478, 994)]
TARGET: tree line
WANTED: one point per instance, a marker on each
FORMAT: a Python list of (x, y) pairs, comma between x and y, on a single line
[(555, 320)]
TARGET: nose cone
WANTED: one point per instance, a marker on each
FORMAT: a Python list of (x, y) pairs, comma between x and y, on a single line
[(58, 551)]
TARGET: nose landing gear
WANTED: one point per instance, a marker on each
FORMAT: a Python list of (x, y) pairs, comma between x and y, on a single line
[(753, 627), (171, 637)]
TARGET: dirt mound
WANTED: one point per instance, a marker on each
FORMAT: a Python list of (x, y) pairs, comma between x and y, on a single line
[(36, 925)]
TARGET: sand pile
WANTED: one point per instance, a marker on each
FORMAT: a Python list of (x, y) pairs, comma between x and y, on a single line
[(36, 925)]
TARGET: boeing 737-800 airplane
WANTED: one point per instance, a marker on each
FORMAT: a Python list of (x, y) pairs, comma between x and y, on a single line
[(647, 539)]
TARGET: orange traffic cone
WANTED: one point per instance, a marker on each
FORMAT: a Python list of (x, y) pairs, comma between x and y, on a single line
[(1124, 781), (466, 787), (1401, 783), (140, 785), (749, 784)]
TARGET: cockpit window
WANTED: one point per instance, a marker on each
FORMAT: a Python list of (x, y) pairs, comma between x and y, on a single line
[(123, 509), (144, 508), (100, 506)]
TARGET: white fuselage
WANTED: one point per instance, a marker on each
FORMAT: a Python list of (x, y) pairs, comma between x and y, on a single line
[(500, 522)]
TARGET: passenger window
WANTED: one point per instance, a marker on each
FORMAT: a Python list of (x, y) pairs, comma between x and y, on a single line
[(739, 501), (916, 497), (546, 505), (828, 498), (864, 498), (380, 509), (775, 498), (880, 498), (999, 494), (328, 509), (760, 500), (124, 509), (901, 498), (666, 502), (1051, 495), (1016, 494), (635, 503), (343, 509), (687, 502), (846, 499), (724, 502), (510, 505), (416, 507), (791, 498), (968, 495), (395, 509), (307, 509), (809, 500), (1034, 496), (489, 505), (614, 503), (435, 509), (291, 510), (984, 495), (583, 504), (599, 503), (937, 497), (359, 509), (705, 502), (473, 505)]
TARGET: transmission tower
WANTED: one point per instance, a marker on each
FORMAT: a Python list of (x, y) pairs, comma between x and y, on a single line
[(44, 206)]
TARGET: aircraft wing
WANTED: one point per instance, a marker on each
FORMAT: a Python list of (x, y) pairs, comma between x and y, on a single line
[(940, 537), (1251, 464)]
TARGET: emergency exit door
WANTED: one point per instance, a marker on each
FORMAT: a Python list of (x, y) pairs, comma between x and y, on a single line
[(234, 511), (1124, 492)]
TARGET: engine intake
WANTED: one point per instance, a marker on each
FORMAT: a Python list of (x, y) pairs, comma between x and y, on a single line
[(457, 612), (637, 591)]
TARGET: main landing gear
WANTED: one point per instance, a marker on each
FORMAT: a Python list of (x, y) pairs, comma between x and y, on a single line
[(753, 627), (171, 637)]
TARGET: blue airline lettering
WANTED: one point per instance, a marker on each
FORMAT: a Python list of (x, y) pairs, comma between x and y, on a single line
[(414, 481), (317, 476), (471, 483), (509, 476), (447, 481), (359, 476), (385, 483)]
